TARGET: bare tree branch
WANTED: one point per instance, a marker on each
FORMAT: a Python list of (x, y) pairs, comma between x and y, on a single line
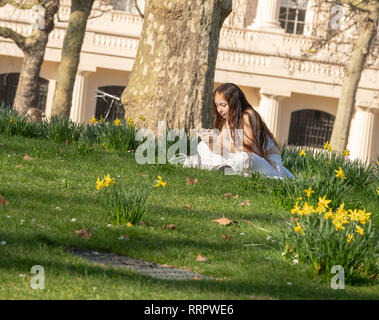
[(16, 37), (139, 10)]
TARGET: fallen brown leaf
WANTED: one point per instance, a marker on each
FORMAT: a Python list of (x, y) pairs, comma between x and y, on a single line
[(169, 226), (373, 276), (166, 266), (236, 196), (3, 201), (84, 233), (190, 181), (27, 157), (126, 237), (189, 207), (196, 278), (226, 237), (200, 258), (228, 195), (224, 221), (245, 203), (218, 279)]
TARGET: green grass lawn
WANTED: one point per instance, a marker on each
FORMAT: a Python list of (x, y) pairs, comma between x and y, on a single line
[(46, 193)]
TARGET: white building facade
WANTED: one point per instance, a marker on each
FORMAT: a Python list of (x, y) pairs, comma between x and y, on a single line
[(297, 98)]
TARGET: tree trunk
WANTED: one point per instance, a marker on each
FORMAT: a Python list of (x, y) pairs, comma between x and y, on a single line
[(68, 67), (173, 73), (27, 94), (34, 46), (354, 69)]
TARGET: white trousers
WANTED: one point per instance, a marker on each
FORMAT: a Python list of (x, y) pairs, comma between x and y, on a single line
[(241, 164)]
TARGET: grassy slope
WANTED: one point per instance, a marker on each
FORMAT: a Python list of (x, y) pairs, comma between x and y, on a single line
[(66, 180)]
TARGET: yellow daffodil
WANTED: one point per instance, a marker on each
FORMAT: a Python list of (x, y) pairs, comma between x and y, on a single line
[(298, 228), (377, 190), (129, 225), (142, 118), (341, 209), (99, 184), (309, 192), (307, 209), (350, 238), (11, 120), (160, 182), (346, 153), (354, 215), (302, 153), (327, 146), (117, 122), (108, 180), (329, 214), (364, 216), (101, 119), (131, 121), (299, 198), (296, 209), (93, 119), (322, 202), (360, 230), (338, 225), (340, 173)]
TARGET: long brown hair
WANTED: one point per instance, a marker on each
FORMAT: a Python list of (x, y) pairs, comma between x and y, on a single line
[(238, 106)]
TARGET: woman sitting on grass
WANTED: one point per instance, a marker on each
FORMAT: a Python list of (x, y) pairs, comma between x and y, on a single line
[(241, 143)]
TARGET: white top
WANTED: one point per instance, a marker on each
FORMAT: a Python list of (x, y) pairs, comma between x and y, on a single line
[(239, 137)]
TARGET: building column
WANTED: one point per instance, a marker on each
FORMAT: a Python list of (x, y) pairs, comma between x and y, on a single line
[(269, 107), (361, 137), (78, 96), (267, 17), (310, 18), (50, 97)]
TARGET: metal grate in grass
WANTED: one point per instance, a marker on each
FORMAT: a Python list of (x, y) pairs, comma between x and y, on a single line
[(151, 269)]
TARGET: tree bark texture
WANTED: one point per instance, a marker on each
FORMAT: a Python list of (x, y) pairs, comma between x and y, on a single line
[(369, 29), (173, 73), (33, 47), (68, 67)]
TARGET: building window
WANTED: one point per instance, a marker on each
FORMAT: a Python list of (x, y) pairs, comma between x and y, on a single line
[(8, 88), (110, 108), (310, 128), (292, 15), (128, 5)]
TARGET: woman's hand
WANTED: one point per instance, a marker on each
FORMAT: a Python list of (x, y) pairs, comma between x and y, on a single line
[(210, 135), (212, 138)]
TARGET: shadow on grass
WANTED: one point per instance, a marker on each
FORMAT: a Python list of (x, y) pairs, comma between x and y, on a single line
[(269, 285)]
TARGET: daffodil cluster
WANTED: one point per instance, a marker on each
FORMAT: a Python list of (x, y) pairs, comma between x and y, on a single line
[(339, 217), (302, 153), (327, 146), (105, 182), (95, 121)]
